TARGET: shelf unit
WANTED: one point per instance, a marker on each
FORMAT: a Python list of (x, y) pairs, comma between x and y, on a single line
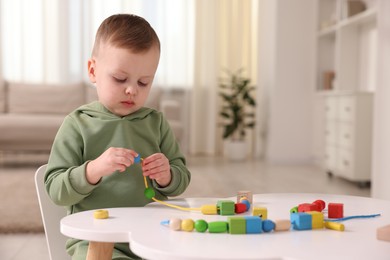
[(346, 79)]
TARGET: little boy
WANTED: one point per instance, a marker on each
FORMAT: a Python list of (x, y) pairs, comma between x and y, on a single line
[(91, 165)]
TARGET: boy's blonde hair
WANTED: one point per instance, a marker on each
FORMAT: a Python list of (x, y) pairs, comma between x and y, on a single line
[(126, 31)]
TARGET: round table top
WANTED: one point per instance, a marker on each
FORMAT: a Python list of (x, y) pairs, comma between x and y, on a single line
[(148, 238)]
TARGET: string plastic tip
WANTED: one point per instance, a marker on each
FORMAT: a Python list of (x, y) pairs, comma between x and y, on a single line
[(165, 222)]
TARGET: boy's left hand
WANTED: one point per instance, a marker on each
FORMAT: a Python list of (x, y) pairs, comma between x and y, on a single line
[(157, 168)]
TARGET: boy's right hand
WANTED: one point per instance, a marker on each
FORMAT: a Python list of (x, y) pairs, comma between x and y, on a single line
[(113, 159)]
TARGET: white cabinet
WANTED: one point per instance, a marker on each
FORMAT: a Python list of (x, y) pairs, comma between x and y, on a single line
[(345, 79), (348, 134)]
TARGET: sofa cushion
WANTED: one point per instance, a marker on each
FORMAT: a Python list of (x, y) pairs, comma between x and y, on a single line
[(2, 97), (28, 132), (44, 99)]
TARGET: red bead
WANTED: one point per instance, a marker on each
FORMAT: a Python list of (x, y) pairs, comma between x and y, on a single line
[(305, 207), (239, 208), (320, 203)]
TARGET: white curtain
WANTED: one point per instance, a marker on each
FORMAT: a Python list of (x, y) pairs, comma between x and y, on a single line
[(226, 38), (49, 41)]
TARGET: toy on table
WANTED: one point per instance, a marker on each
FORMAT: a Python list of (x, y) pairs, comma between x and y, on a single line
[(223, 207), (233, 225), (310, 216), (305, 216), (383, 233)]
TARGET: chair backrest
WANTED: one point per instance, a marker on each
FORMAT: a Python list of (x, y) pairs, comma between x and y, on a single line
[(51, 216)]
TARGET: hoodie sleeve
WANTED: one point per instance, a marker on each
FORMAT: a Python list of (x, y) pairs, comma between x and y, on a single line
[(65, 179), (181, 176)]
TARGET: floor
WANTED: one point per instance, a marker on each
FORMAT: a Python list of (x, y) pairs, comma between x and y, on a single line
[(215, 177)]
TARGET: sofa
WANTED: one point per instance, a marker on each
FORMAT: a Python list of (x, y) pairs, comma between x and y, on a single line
[(30, 114)]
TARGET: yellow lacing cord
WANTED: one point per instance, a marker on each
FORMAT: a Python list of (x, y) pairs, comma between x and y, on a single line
[(165, 203)]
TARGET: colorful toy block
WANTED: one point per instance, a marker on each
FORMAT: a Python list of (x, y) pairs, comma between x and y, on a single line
[(247, 194), (253, 225), (335, 210), (301, 221), (383, 233), (226, 207), (260, 211), (317, 219), (237, 225)]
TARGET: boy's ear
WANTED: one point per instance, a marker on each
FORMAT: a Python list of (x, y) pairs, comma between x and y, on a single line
[(91, 70)]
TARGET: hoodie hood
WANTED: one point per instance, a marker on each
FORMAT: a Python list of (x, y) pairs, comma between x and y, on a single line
[(96, 109)]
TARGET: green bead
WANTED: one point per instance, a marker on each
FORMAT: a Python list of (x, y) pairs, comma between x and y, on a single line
[(294, 210), (149, 193), (201, 225), (218, 226)]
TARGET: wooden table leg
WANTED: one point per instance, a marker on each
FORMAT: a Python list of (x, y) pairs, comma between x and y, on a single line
[(100, 250)]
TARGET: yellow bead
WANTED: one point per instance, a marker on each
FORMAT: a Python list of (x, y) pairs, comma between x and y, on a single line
[(334, 226), (187, 225), (100, 214), (209, 209)]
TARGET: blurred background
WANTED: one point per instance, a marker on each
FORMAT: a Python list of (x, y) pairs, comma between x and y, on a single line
[(304, 105)]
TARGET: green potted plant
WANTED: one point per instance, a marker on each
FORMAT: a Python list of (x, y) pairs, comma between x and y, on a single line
[(236, 112)]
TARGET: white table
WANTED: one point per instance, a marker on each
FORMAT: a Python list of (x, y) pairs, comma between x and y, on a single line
[(148, 238)]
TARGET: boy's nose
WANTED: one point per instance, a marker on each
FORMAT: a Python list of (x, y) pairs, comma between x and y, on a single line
[(131, 90)]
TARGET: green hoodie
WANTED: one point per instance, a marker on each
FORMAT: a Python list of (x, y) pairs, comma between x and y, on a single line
[(90, 130)]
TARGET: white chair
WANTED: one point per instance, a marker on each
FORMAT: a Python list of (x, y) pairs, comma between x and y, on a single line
[(51, 216)]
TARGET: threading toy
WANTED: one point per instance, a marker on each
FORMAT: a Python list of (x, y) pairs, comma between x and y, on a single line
[(223, 207)]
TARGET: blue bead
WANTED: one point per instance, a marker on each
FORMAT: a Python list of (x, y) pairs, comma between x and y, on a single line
[(137, 159), (247, 203), (268, 225)]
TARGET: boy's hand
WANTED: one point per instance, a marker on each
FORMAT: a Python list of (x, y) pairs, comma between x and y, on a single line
[(113, 159), (157, 167)]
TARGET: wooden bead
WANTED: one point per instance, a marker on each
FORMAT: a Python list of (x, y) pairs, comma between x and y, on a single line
[(248, 195), (218, 226), (239, 208), (334, 226), (209, 209), (175, 224), (100, 214), (321, 204), (282, 225), (201, 225), (247, 204), (335, 210), (268, 225), (383, 233), (260, 212), (187, 225)]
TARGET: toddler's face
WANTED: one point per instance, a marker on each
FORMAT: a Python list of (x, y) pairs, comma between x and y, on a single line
[(123, 78)]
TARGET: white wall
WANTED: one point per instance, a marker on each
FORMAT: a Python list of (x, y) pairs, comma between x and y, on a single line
[(381, 145), (289, 50)]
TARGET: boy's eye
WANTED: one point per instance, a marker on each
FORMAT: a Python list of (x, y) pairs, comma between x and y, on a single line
[(120, 80), (142, 84)]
